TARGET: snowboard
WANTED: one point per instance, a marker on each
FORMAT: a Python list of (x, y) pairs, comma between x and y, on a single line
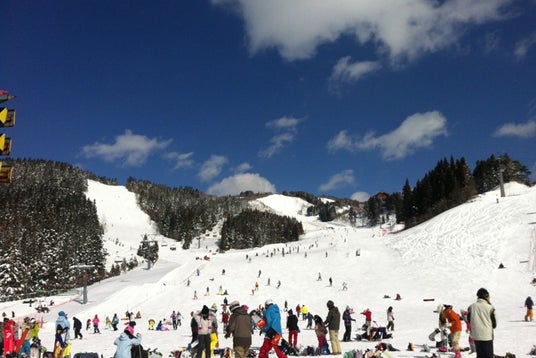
[(20, 342), (9, 337)]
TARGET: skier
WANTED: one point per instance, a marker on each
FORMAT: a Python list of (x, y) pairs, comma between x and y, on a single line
[(9, 335), (347, 319), (309, 321), (293, 329), (271, 327)]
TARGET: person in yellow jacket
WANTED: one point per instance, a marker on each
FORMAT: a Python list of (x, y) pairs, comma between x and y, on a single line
[(304, 312)]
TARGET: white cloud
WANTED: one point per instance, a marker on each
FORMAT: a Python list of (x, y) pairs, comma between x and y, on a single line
[(360, 196), (242, 168), (523, 130), (403, 30), (523, 46), (338, 180), (239, 183), (417, 131), (346, 71), (131, 149), (212, 167), (182, 160), (287, 128)]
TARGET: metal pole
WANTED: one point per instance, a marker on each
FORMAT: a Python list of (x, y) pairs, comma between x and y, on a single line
[(501, 182), (84, 299)]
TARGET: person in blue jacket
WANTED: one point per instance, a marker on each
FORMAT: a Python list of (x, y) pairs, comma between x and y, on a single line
[(272, 330), (124, 344)]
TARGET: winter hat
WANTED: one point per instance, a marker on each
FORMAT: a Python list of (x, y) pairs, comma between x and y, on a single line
[(234, 305), (129, 329), (61, 313), (439, 309), (330, 304), (204, 310), (268, 302), (289, 311), (214, 307), (348, 308), (482, 293)]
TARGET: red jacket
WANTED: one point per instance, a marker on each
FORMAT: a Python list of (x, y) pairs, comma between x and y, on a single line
[(368, 315)]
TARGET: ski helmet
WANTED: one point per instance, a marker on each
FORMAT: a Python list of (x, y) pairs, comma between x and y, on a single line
[(268, 302)]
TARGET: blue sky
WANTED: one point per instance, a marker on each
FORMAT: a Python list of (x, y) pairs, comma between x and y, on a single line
[(335, 97)]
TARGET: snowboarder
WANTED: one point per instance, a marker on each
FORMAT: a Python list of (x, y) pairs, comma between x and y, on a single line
[(272, 330)]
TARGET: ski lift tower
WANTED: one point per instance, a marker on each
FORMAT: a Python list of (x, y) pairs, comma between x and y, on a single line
[(85, 269)]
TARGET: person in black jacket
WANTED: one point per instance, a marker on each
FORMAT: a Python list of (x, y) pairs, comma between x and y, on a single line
[(77, 326), (293, 329), (333, 323)]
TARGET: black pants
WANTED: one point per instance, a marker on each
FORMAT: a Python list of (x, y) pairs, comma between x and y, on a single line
[(77, 333), (484, 349), (203, 344), (347, 337)]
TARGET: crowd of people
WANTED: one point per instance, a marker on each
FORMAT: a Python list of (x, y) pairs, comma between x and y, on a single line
[(241, 323)]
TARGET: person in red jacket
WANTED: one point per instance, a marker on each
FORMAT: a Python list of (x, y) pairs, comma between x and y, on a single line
[(368, 322), (455, 326)]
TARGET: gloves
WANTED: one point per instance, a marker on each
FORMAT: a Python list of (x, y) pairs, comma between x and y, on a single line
[(138, 335)]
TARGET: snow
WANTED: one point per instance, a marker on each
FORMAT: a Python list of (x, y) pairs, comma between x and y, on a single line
[(447, 258)]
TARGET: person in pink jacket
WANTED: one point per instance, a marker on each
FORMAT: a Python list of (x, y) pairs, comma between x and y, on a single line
[(96, 321)]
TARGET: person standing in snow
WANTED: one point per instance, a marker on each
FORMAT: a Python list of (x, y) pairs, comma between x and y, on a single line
[(174, 319), (204, 326), (77, 326), (193, 327), (347, 319), (333, 323), (293, 329), (214, 334), (124, 343), (368, 322), (115, 321), (320, 331), (455, 326), (240, 327), (529, 304), (272, 330), (62, 323), (481, 314), (96, 321), (390, 319)]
